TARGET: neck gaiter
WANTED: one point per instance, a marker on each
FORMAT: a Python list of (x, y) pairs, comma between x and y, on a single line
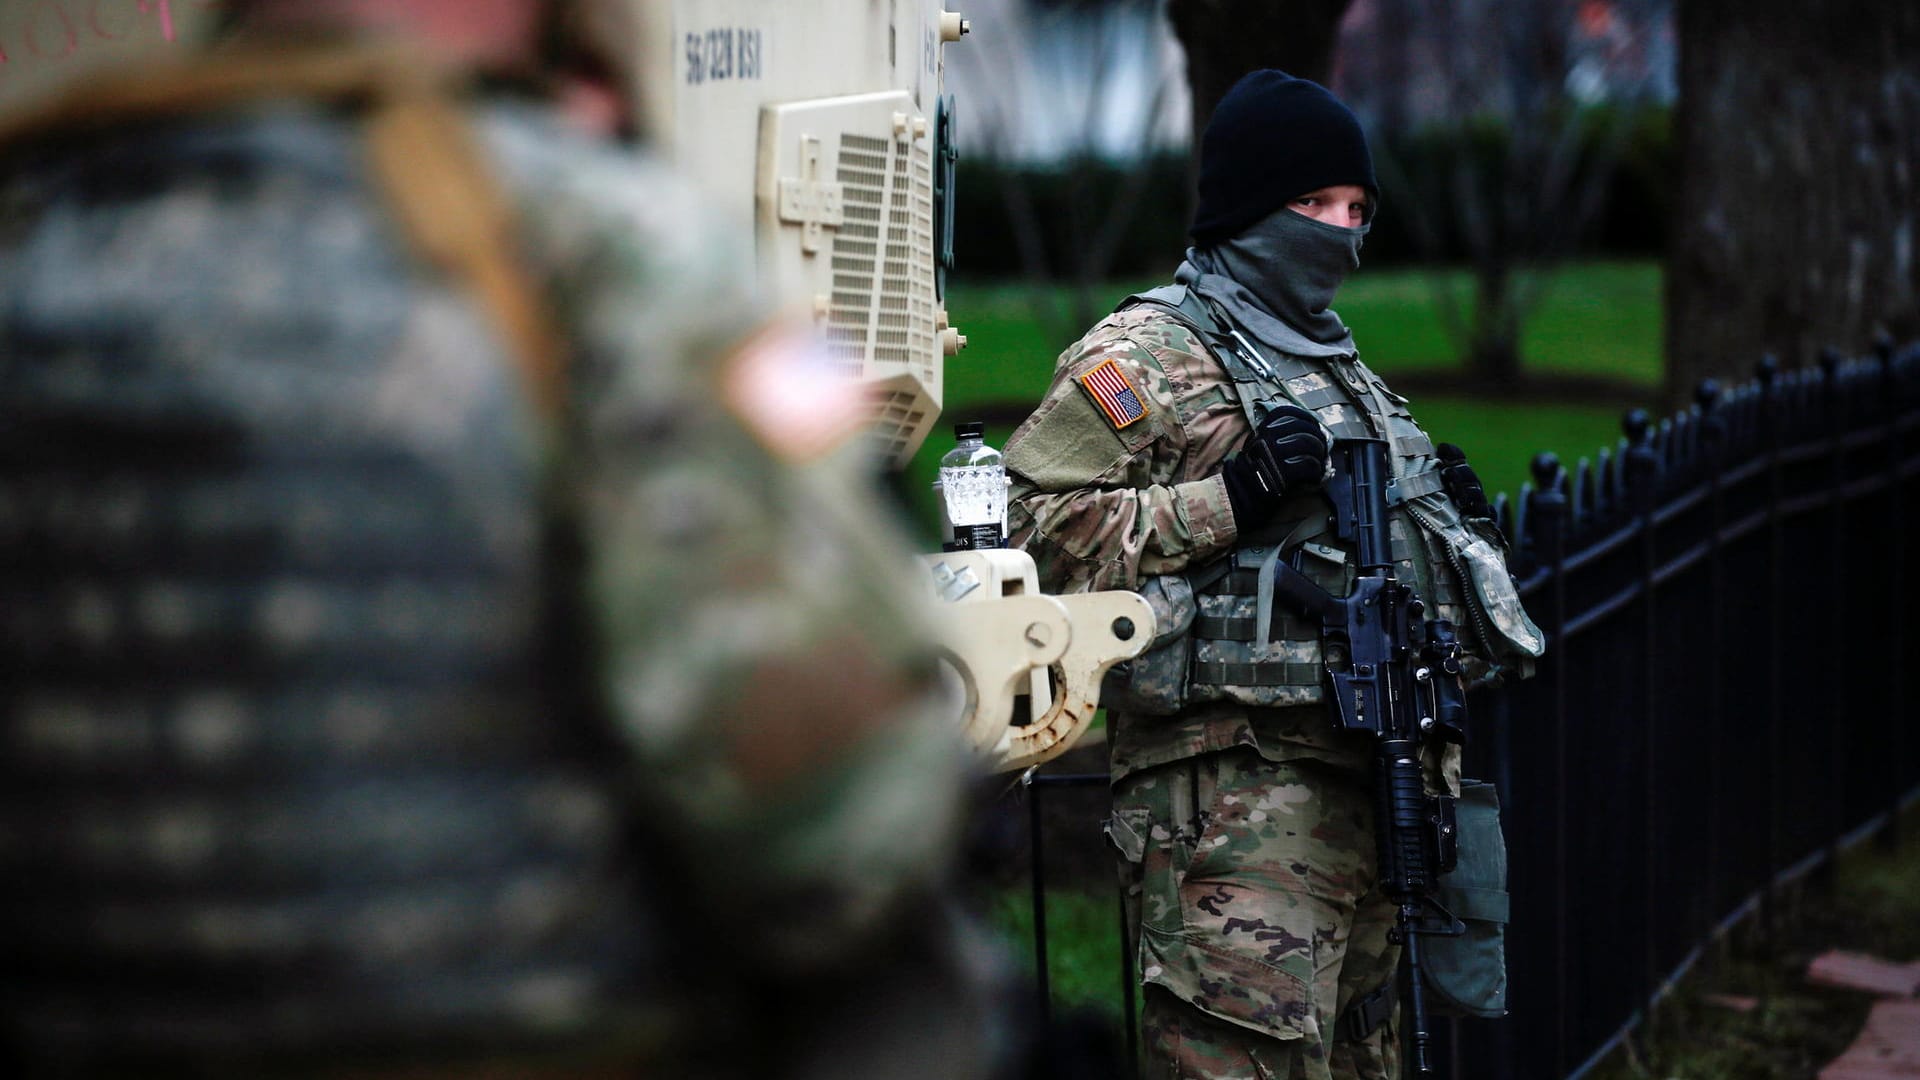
[(1276, 280)]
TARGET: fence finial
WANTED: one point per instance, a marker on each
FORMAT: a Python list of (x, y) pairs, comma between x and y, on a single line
[(1545, 469), (1829, 361), (1641, 461), (1543, 524), (1636, 423), (1713, 425)]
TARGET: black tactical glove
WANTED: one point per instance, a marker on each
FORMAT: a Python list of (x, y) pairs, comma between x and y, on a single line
[(1286, 454), (1462, 483)]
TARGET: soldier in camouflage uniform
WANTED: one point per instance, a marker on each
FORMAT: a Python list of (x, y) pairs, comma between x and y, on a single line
[(1181, 447), (370, 705)]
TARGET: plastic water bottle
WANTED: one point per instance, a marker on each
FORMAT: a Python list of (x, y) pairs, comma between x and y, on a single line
[(973, 488)]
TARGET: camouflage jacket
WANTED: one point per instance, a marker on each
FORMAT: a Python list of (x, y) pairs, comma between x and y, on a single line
[(1101, 501), (323, 725)]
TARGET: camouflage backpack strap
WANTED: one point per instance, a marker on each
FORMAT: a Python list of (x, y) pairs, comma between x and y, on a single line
[(437, 180), (425, 161)]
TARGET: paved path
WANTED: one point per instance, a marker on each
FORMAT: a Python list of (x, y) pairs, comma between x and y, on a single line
[(1889, 1047)]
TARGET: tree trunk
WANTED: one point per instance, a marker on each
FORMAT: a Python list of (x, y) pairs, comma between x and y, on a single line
[(1225, 39), (1493, 352), (1799, 146)]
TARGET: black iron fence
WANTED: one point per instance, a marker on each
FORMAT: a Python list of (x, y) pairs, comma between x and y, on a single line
[(1724, 705)]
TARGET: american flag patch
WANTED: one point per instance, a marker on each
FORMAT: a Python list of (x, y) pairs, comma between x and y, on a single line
[(1114, 394)]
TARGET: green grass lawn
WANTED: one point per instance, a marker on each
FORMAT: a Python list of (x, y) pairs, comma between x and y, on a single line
[(1595, 319), (1788, 1027), (1083, 944)]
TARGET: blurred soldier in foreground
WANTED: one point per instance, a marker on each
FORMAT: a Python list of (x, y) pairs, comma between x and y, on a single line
[(1182, 451), (441, 634)]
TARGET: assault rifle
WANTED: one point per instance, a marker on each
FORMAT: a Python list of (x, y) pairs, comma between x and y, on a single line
[(1394, 673)]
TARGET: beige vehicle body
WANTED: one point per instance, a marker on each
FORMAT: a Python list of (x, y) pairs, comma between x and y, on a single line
[(823, 122), (818, 121)]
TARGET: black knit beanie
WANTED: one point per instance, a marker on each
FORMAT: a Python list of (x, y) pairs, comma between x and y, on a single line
[(1271, 138)]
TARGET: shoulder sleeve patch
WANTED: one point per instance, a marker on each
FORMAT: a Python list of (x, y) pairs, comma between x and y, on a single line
[(782, 388), (1116, 397)]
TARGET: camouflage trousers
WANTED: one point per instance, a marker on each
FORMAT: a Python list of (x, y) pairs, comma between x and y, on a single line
[(1251, 899)]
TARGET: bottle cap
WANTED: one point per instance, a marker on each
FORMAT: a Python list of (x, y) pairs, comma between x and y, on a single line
[(970, 429)]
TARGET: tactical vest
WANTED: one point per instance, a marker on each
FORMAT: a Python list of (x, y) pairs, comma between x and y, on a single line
[(296, 761), (1230, 640)]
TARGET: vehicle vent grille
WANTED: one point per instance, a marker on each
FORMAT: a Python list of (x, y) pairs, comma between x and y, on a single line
[(897, 416), (882, 303)]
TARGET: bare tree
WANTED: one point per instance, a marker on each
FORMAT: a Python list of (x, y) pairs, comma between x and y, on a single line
[(1225, 39), (1519, 169), (1799, 142), (1079, 79), (1514, 157)]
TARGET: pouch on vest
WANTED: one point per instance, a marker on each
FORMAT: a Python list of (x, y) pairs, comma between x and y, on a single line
[(1209, 646), (1155, 682), (1499, 622), (1466, 975), (1249, 646)]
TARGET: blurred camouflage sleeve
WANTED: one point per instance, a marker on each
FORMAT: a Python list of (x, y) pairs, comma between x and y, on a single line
[(1101, 506), (760, 651)]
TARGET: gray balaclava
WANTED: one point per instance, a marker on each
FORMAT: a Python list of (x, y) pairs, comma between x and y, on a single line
[(1276, 280), (1275, 271)]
